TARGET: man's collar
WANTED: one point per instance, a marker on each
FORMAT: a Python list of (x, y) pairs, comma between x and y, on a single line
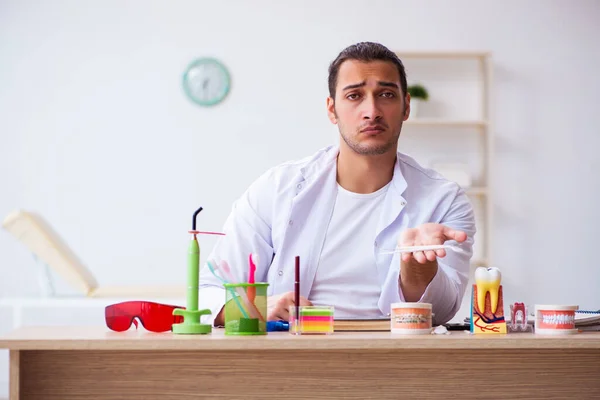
[(327, 157), (320, 162), (399, 183)]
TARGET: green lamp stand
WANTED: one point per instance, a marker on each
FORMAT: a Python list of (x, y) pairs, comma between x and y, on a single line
[(191, 315)]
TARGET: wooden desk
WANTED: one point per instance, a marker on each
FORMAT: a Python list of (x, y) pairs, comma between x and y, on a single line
[(95, 363)]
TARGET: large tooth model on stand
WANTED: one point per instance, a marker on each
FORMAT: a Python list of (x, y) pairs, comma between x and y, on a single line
[(487, 303)]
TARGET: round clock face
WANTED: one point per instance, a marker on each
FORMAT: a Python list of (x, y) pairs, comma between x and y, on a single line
[(206, 81)]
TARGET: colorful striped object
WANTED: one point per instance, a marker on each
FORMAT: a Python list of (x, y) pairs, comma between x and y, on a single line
[(313, 320)]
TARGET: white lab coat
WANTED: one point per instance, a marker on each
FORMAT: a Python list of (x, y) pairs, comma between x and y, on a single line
[(284, 214)]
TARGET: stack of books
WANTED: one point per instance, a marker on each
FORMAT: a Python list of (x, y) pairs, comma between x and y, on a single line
[(361, 325), (587, 320)]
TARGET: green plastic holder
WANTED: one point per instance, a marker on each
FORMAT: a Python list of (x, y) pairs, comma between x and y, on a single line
[(191, 315), (243, 316)]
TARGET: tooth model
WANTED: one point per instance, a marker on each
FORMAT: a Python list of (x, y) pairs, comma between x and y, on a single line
[(487, 304), (518, 317)]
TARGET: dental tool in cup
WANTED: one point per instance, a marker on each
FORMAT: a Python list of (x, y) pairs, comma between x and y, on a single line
[(191, 315), (412, 249), (235, 298), (253, 309), (252, 261), (224, 274)]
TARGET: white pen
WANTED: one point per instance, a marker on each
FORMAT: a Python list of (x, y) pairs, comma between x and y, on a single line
[(412, 249)]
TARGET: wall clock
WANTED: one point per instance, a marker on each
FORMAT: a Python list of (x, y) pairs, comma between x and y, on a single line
[(206, 81)]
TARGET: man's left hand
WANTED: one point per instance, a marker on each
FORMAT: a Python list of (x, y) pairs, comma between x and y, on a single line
[(419, 268), (428, 234)]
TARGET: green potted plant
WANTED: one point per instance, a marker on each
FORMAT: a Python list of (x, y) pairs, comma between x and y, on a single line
[(418, 94)]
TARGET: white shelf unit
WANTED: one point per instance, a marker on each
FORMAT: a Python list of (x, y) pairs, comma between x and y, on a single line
[(477, 124)]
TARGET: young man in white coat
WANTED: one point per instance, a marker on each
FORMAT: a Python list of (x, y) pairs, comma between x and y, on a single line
[(338, 209)]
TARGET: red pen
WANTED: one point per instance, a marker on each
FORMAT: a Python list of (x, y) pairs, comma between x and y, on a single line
[(297, 292)]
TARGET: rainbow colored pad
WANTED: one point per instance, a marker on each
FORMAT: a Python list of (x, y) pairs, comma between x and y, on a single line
[(312, 320)]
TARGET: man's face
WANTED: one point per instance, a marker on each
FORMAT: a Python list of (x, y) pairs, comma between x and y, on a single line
[(369, 106)]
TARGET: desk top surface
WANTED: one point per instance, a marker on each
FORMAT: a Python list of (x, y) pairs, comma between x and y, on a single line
[(101, 338)]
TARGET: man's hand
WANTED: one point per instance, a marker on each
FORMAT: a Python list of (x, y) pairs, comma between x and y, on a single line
[(419, 268), (278, 307), (428, 234)]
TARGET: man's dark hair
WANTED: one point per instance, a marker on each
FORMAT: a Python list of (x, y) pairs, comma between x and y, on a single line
[(365, 51)]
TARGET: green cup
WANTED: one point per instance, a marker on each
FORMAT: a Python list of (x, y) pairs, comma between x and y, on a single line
[(242, 315)]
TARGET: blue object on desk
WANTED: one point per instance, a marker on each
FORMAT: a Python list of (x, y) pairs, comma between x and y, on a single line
[(275, 326)]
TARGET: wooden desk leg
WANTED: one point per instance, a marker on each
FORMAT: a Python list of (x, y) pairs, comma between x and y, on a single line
[(14, 374)]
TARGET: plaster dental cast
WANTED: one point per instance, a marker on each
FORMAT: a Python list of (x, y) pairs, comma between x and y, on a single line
[(342, 207)]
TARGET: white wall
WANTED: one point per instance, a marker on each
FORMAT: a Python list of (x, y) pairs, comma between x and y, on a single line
[(97, 135)]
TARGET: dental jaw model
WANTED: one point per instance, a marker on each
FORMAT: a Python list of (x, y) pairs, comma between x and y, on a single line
[(487, 304), (555, 319)]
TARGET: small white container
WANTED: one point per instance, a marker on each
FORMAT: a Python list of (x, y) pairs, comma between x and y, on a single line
[(555, 319), (411, 318)]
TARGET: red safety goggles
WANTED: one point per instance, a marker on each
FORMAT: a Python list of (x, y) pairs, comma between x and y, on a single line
[(154, 317)]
